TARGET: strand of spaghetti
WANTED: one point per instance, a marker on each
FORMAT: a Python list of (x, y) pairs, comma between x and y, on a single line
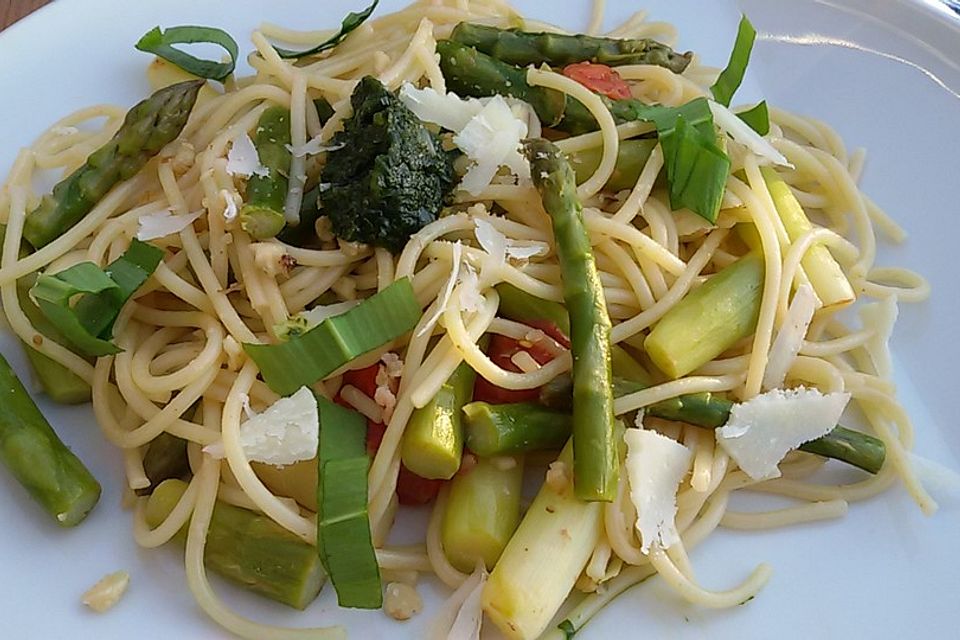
[(447, 356), (805, 127), (696, 594), (238, 463), (13, 268), (167, 279), (211, 285), (403, 559), (156, 419), (824, 375), (599, 224), (808, 169), (631, 272), (595, 139), (633, 205), (147, 350), (724, 366), (906, 285), (321, 258), (852, 492), (431, 66), (813, 512), (161, 534), (884, 222), (835, 346), (447, 573), (596, 17), (174, 357), (18, 321), (298, 299), (133, 469), (674, 388), (702, 446), (481, 363), (207, 480), (106, 397), (264, 294), (422, 38), (619, 517), (897, 457), (681, 286), (287, 73), (798, 249), (762, 218), (593, 104)]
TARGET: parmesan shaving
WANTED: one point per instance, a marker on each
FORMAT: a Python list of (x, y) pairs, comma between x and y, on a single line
[(789, 339), (761, 431), (163, 223), (286, 432), (742, 134), (444, 299), (243, 159), (231, 208), (461, 615), (313, 147), (655, 466), (880, 317), (488, 131)]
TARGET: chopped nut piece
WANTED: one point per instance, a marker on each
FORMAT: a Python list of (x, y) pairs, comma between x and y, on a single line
[(401, 601), (107, 591)]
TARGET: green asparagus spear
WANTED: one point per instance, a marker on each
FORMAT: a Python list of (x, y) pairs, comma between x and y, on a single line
[(709, 411), (512, 428), (709, 320), (524, 48), (37, 458), (148, 127), (433, 440), (262, 214), (249, 549), (632, 156), (595, 456), (469, 72), (482, 512)]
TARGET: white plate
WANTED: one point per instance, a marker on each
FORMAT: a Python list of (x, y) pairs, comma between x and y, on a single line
[(885, 74)]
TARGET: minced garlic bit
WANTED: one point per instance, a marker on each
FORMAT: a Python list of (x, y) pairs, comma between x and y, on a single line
[(401, 601), (234, 352), (558, 476), (268, 257), (504, 463), (107, 592), (525, 362)]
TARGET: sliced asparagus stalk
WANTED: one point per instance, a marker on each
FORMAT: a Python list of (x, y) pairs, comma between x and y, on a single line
[(482, 512), (249, 549)]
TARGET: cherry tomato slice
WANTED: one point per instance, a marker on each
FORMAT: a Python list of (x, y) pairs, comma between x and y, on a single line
[(599, 78)]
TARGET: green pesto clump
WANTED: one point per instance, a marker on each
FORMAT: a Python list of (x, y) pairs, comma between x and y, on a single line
[(389, 175)]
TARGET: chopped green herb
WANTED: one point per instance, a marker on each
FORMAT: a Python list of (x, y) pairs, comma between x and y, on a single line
[(351, 22), (343, 527), (568, 629), (730, 78), (160, 43), (317, 353), (88, 324), (757, 117)]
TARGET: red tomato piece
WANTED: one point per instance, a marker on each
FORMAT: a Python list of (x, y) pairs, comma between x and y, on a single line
[(501, 352), (414, 490), (363, 379), (599, 78)]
